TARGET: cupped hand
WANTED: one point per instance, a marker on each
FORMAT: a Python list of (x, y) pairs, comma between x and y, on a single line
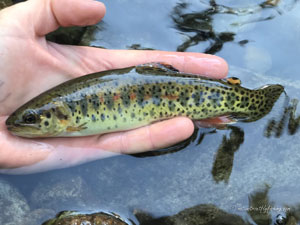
[(30, 65)]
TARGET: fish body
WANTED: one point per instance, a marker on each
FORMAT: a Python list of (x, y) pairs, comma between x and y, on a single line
[(132, 97)]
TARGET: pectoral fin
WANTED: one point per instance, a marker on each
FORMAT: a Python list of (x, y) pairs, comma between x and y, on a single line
[(78, 128)]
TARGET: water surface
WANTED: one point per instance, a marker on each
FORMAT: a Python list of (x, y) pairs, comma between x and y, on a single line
[(260, 42)]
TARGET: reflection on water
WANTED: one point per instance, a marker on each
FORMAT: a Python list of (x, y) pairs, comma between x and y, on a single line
[(223, 163), (289, 120), (212, 178), (199, 27), (260, 200)]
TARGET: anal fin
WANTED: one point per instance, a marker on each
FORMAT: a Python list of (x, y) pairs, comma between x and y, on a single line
[(220, 122)]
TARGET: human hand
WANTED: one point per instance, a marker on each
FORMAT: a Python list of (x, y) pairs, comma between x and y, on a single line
[(30, 65)]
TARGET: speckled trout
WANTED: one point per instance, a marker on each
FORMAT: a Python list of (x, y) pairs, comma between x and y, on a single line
[(132, 97)]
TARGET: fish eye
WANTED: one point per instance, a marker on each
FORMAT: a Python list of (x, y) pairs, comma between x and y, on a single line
[(30, 117)]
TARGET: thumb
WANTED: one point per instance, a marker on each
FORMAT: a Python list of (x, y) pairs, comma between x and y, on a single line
[(44, 16), (77, 12)]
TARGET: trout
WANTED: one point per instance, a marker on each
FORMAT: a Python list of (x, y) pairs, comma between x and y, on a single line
[(128, 98)]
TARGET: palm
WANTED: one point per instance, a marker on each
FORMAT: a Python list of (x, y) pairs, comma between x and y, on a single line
[(30, 65), (37, 65)]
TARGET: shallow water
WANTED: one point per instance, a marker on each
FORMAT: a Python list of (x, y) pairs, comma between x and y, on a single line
[(261, 46)]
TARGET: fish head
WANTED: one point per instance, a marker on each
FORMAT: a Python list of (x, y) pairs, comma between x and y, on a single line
[(30, 122)]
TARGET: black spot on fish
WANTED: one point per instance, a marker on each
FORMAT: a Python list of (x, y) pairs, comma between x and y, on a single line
[(119, 109), (83, 106), (109, 100), (95, 101), (125, 97), (48, 115), (102, 116), (171, 105), (152, 112), (156, 100)]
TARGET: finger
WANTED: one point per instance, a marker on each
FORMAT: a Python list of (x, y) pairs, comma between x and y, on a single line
[(77, 12), (42, 17), (151, 137), (94, 59), (21, 155), (198, 63), (17, 152), (155, 136)]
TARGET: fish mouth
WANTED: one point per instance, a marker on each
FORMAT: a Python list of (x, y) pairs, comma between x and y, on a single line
[(21, 129)]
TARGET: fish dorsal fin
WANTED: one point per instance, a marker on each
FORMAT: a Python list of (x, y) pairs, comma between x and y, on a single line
[(233, 81), (155, 67)]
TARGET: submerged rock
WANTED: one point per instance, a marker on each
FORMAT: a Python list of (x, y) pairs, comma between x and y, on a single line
[(13, 206), (204, 214), (61, 192), (70, 218)]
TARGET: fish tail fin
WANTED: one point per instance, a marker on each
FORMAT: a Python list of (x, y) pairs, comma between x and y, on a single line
[(272, 91), (266, 98)]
